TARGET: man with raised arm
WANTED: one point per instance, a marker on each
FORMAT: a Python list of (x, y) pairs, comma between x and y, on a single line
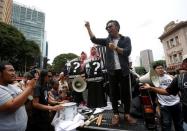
[(118, 49)]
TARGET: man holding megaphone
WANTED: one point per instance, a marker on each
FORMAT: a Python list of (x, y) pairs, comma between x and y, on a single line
[(168, 104), (178, 84)]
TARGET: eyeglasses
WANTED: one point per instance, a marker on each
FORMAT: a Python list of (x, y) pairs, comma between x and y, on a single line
[(49, 76), (108, 27), (159, 68)]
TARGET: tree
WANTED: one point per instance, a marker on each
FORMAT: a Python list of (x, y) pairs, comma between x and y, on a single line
[(11, 40), (140, 70), (29, 52), (15, 49), (49, 66), (60, 61)]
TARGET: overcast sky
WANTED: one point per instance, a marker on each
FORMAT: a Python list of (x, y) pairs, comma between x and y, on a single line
[(142, 20)]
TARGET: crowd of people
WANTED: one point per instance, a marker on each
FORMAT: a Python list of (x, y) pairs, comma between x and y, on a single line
[(169, 90), (31, 103)]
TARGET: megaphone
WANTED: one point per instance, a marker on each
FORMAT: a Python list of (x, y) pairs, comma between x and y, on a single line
[(151, 78), (79, 84)]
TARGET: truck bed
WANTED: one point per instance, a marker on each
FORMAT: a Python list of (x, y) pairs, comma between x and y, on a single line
[(123, 126)]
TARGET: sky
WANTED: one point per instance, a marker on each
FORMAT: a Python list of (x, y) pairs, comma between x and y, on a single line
[(142, 20)]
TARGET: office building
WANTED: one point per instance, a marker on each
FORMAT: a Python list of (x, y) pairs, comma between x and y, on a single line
[(31, 22), (146, 58), (174, 41), (6, 11)]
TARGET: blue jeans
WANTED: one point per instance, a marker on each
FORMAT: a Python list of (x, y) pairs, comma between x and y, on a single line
[(169, 113)]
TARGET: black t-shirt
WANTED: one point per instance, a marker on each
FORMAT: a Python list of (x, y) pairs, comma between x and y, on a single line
[(184, 109), (42, 93), (173, 87), (179, 83)]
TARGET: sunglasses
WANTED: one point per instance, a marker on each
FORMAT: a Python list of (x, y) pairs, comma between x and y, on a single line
[(108, 27), (49, 76)]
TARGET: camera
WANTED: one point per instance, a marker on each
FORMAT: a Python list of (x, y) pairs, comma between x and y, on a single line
[(33, 71)]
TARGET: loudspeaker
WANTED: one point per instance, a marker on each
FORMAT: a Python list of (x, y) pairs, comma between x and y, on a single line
[(79, 84), (151, 77)]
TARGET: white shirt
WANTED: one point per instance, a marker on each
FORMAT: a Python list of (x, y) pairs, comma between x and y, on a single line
[(116, 58), (165, 100), (12, 121)]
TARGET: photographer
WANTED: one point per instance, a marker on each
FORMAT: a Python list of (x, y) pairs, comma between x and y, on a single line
[(13, 115)]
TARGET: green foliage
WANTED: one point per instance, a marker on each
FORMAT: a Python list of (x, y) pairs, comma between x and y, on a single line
[(60, 61), (49, 66), (29, 54), (16, 49), (11, 40), (140, 70)]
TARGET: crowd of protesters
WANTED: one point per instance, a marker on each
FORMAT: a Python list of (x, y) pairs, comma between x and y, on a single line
[(31, 103)]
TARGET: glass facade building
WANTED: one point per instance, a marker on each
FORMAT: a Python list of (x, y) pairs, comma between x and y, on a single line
[(146, 58), (31, 23)]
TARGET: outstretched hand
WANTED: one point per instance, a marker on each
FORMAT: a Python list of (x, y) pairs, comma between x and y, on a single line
[(145, 86), (87, 25), (57, 107)]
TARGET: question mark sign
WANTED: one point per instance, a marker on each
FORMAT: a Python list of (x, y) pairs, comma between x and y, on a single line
[(97, 67), (77, 65)]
